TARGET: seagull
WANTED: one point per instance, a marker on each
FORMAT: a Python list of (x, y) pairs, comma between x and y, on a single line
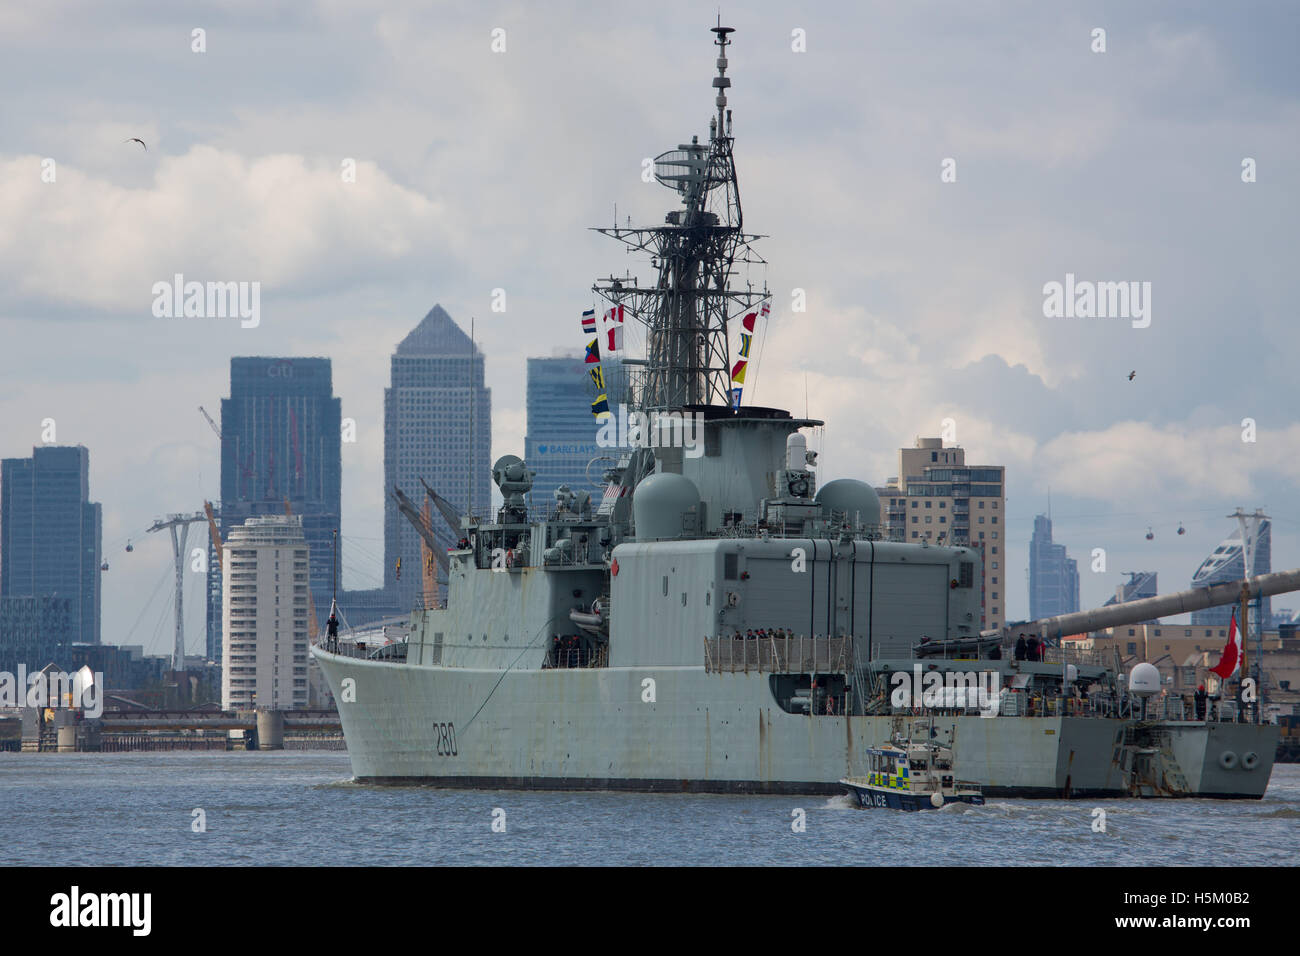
[(1131, 374), (136, 139)]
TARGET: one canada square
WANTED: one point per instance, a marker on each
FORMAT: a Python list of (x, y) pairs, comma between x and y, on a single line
[(437, 427)]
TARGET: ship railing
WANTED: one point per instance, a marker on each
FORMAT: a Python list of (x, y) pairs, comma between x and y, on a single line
[(796, 529), (579, 657), (777, 655), (1072, 655), (364, 649)]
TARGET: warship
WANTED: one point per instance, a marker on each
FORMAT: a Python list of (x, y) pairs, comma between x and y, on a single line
[(716, 621)]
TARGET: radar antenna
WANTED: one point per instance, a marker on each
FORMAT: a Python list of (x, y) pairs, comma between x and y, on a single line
[(695, 252)]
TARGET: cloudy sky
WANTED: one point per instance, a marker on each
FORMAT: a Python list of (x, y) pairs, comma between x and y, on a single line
[(479, 170)]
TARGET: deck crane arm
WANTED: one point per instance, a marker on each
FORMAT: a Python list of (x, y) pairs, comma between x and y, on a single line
[(445, 507), (422, 527)]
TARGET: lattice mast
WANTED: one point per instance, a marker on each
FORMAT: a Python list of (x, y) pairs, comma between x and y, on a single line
[(695, 254)]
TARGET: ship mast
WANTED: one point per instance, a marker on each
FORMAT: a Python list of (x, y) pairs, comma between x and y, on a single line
[(695, 254)]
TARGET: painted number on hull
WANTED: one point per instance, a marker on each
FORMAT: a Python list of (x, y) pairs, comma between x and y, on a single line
[(446, 740)]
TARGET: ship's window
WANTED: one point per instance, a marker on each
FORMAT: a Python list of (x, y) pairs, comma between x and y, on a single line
[(730, 566), (665, 585), (966, 574), (437, 648), (683, 599)]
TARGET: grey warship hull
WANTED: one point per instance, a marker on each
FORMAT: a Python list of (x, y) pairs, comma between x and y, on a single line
[(589, 729)]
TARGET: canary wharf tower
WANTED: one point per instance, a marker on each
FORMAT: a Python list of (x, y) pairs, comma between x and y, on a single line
[(437, 427)]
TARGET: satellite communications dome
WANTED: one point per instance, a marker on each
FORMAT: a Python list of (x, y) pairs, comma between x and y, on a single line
[(855, 498), (1144, 680), (660, 506)]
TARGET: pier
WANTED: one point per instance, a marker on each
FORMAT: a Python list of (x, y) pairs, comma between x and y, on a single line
[(36, 730)]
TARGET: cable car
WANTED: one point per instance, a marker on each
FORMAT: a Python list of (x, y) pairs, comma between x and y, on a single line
[(129, 546), (1150, 534), (104, 566), (1181, 529)]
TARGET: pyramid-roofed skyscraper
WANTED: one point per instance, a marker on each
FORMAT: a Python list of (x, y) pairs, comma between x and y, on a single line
[(437, 426)]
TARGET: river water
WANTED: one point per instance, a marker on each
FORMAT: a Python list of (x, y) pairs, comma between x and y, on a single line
[(301, 808)]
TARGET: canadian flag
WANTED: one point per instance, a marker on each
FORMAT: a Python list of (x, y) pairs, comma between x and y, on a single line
[(1230, 659), (614, 329)]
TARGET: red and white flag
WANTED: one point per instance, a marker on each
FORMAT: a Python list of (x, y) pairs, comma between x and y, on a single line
[(1230, 659), (614, 329)]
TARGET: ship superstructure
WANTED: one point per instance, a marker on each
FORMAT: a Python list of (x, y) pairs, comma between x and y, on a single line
[(718, 620)]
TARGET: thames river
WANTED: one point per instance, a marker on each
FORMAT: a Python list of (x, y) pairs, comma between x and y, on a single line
[(301, 808)]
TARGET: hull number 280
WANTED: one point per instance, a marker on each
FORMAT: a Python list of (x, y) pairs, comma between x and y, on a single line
[(446, 734)]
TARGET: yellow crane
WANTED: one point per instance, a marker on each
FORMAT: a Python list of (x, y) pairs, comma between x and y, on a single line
[(213, 531)]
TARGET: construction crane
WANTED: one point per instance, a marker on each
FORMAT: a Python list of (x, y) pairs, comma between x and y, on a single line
[(428, 574), (312, 628), (213, 531), (211, 423)]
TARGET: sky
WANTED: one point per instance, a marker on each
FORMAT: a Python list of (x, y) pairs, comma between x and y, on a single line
[(481, 169)]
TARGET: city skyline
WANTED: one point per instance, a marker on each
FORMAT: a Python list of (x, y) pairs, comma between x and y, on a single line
[(437, 428), (281, 445), (1053, 574), (922, 304), (561, 436), (51, 535)]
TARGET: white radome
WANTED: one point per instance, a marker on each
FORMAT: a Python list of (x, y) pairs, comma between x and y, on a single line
[(1144, 680)]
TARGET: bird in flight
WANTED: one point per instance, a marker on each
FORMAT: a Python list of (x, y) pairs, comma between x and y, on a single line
[(136, 139), (1131, 374)]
